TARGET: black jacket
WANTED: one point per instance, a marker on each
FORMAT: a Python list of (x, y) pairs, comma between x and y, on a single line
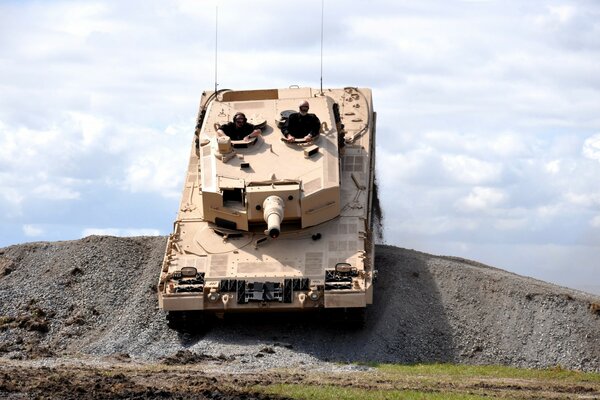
[(235, 133), (299, 125)]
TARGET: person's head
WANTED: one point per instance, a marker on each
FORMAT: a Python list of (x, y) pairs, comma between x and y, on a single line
[(239, 119), (303, 107)]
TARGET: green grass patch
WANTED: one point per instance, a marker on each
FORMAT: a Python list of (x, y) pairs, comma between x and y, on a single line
[(437, 381), (488, 371), (329, 392)]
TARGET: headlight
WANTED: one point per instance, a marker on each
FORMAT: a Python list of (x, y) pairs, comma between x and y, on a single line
[(314, 295), (213, 296)]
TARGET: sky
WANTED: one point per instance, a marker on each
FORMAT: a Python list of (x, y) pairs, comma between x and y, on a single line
[(488, 115)]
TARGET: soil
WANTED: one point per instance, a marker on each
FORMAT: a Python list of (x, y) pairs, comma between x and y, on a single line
[(115, 379), (79, 319)]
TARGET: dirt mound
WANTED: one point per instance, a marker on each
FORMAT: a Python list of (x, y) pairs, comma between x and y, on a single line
[(96, 297)]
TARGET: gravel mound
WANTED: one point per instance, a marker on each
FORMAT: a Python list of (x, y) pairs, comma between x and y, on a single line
[(95, 298)]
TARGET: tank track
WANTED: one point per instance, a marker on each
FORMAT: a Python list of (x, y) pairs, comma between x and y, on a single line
[(187, 321)]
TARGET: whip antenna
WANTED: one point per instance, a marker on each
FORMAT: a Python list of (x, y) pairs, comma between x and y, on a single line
[(216, 41), (322, 8)]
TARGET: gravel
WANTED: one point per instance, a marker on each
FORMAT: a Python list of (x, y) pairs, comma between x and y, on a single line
[(95, 299)]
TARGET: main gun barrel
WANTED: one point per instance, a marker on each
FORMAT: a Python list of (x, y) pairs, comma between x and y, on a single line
[(273, 214)]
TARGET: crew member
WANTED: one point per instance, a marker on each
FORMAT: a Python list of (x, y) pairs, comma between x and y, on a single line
[(239, 128), (302, 124)]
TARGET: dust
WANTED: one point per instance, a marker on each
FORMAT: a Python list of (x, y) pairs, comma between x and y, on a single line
[(377, 214)]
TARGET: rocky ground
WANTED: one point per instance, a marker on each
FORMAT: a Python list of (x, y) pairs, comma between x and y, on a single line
[(94, 300)]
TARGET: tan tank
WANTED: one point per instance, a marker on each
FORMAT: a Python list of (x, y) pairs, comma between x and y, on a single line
[(265, 224)]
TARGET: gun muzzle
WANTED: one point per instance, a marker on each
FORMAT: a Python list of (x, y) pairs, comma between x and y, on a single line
[(273, 214)]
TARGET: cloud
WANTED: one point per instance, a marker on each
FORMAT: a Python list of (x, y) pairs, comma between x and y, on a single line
[(11, 201), (556, 16), (586, 200), (482, 199), (90, 129), (553, 167), (591, 147), (51, 191), (81, 20), (155, 168), (32, 230), (470, 170)]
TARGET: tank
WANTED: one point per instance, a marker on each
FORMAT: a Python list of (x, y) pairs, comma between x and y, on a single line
[(268, 225)]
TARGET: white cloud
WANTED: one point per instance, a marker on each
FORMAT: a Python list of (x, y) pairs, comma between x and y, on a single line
[(583, 199), (32, 230), (482, 199), (410, 165), (563, 13), (549, 211), (157, 170), (51, 191), (82, 19), (25, 147), (11, 201), (90, 127), (508, 145), (553, 167), (591, 147), (470, 170), (556, 16)]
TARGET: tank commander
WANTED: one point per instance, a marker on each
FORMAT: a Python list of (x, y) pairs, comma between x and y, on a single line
[(239, 128), (302, 124)]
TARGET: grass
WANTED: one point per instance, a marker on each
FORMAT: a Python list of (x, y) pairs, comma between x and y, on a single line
[(440, 381), (330, 392), (490, 371)]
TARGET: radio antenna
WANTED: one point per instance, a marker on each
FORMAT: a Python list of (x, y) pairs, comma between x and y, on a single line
[(216, 42), (322, 8)]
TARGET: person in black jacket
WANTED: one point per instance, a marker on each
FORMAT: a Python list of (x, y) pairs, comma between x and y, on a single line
[(239, 129), (301, 125)]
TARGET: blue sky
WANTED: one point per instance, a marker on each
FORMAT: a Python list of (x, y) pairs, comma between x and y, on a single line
[(488, 115)]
